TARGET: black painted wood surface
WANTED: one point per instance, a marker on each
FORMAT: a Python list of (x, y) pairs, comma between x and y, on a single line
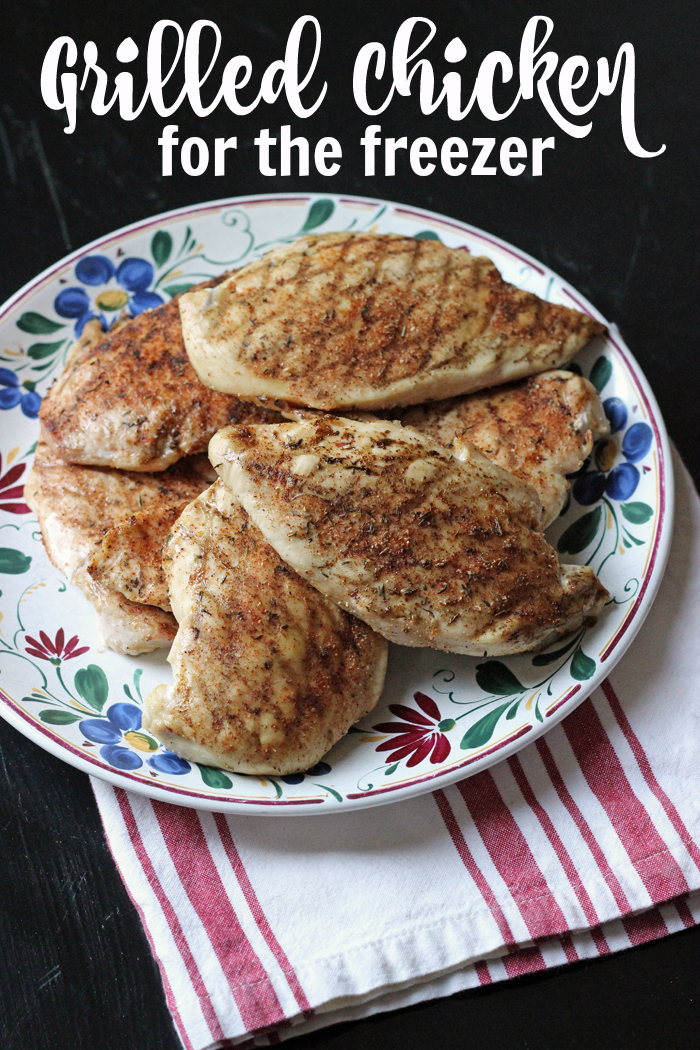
[(75, 968)]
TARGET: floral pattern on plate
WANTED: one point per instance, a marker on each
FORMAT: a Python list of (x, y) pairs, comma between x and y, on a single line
[(441, 717)]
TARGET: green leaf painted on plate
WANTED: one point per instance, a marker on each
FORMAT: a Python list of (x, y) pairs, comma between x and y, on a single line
[(59, 718), (495, 677), (278, 788), (37, 324), (161, 246), (514, 710), (331, 791), (177, 289), (600, 373), (38, 351), (626, 542), (578, 536), (319, 212), (91, 685), (391, 769), (637, 513), (13, 562), (548, 658), (427, 235), (639, 543), (214, 778), (482, 731), (582, 666)]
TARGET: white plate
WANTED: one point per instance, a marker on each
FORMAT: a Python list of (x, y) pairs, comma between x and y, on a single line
[(82, 702)]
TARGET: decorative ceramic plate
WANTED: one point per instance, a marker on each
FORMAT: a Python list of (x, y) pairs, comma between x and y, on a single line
[(442, 717)]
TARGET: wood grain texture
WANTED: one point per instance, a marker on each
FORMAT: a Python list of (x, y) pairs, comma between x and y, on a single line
[(76, 969)]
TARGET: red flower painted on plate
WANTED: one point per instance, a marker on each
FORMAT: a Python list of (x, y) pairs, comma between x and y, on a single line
[(57, 650), (418, 735), (9, 490)]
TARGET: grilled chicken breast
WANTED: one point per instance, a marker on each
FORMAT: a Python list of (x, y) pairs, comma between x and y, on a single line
[(268, 673), (363, 320), (424, 548), (130, 558), (539, 429), (76, 506), (130, 398)]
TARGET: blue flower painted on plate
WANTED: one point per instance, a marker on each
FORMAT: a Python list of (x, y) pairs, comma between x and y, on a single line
[(319, 770), (589, 488), (169, 762), (637, 442), (13, 393), (134, 276), (121, 726), (622, 481), (617, 482), (616, 411)]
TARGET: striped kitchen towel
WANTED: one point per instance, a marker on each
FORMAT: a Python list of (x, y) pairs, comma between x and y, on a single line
[(585, 842)]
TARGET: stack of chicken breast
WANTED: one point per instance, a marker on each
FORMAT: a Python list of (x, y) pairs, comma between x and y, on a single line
[(388, 436)]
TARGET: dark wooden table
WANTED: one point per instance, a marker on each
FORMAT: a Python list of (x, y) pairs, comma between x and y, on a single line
[(75, 967)]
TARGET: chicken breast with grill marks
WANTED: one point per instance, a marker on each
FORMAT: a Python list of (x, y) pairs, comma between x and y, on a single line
[(363, 320), (539, 429), (130, 398), (77, 505), (427, 550), (268, 673)]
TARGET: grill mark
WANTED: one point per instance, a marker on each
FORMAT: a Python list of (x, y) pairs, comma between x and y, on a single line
[(431, 340), (374, 354)]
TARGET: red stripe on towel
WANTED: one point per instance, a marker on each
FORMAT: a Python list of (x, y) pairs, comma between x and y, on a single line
[(248, 980), (581, 823), (602, 769), (259, 915), (527, 960), (557, 844), (648, 926), (170, 915), (472, 867), (512, 856), (648, 773)]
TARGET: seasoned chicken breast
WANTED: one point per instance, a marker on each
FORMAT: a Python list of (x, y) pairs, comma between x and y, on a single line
[(76, 506), (424, 548), (539, 429), (268, 673), (129, 398), (364, 320), (130, 558)]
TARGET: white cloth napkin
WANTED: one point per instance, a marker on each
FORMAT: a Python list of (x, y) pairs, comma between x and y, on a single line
[(585, 842)]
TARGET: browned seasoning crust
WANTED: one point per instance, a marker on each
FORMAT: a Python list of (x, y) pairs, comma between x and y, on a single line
[(346, 320), (539, 429), (268, 673), (131, 399), (426, 549), (77, 505), (130, 559)]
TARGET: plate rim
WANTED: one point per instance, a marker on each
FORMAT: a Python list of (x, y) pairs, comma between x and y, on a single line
[(400, 792)]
